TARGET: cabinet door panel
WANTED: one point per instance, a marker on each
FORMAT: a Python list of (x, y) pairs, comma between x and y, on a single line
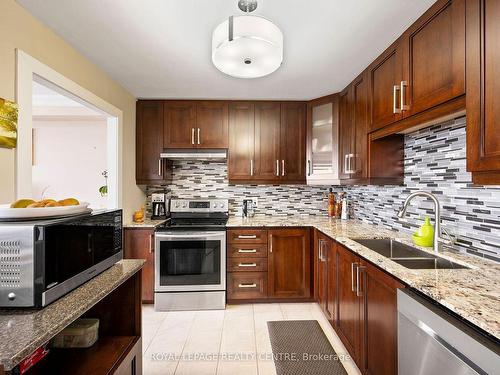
[(380, 322), (267, 140), (346, 132), (359, 158), (435, 56), (384, 74), (483, 90), (289, 263), (293, 142), (212, 122), (149, 139), (180, 124), (348, 319), (139, 244), (241, 140)]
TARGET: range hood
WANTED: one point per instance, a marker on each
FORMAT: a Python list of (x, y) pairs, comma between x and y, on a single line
[(194, 154)]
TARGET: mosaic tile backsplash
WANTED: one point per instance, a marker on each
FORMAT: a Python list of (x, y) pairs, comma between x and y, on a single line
[(435, 160)]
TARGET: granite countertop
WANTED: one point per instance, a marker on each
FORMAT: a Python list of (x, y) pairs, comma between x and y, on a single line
[(473, 294), (148, 223), (24, 330)]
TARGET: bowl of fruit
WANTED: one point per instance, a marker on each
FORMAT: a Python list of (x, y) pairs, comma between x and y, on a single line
[(28, 209)]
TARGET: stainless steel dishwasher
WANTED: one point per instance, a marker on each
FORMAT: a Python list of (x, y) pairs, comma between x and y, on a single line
[(433, 342)]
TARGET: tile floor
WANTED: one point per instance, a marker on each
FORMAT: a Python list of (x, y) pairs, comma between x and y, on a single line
[(225, 342)]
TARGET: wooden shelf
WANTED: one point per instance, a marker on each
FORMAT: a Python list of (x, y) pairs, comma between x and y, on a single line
[(101, 358)]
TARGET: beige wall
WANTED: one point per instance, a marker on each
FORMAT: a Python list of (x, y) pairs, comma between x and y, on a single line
[(18, 29)]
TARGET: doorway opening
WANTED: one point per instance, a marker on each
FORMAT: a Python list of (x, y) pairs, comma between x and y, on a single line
[(69, 140)]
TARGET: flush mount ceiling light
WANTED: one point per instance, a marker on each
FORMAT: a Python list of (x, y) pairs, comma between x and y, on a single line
[(247, 46)]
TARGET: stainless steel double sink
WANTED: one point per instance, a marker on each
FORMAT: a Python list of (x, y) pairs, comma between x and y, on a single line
[(407, 256)]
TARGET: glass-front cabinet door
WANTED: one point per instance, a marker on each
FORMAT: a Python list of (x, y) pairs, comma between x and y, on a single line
[(322, 158), (188, 261)]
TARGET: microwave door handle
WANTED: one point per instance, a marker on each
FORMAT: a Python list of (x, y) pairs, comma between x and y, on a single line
[(89, 242)]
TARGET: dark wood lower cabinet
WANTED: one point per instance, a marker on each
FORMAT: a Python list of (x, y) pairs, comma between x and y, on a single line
[(139, 244), (348, 324), (289, 263), (326, 274), (364, 307), (268, 264), (379, 323)]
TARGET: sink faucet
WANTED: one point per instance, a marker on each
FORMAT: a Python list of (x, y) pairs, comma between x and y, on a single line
[(437, 213)]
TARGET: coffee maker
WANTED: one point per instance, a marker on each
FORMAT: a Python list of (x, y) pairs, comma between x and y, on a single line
[(160, 206)]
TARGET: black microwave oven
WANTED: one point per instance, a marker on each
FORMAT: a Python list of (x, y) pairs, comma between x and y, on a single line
[(40, 261)]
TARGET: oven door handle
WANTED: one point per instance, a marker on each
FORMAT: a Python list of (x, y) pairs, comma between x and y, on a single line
[(188, 235)]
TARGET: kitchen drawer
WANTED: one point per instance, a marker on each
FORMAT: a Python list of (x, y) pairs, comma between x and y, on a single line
[(247, 285), (246, 264), (244, 235), (258, 250)]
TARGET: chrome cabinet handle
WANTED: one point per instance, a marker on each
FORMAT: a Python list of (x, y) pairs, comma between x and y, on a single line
[(282, 167), (247, 251), (277, 167), (151, 243), (321, 251), (199, 136), (247, 265), (160, 172), (395, 108), (349, 167), (308, 167), (247, 237), (251, 167), (359, 292), (403, 106), (247, 285), (270, 243), (192, 136), (353, 287), (346, 161)]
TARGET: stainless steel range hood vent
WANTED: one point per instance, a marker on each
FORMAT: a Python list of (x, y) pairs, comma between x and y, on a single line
[(183, 154)]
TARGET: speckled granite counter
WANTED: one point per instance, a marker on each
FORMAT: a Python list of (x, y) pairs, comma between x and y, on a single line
[(24, 330), (147, 224), (473, 294)]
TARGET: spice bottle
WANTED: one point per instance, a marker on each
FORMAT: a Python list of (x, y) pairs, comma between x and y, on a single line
[(331, 203)]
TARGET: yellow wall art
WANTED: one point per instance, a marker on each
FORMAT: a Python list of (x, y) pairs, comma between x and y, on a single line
[(8, 124)]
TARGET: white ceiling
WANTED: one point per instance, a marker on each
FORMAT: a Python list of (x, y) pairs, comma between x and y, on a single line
[(162, 48)]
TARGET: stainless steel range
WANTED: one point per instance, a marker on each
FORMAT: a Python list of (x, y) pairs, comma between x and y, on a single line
[(190, 257)]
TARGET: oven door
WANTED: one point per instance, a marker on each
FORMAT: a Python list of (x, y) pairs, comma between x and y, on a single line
[(190, 261)]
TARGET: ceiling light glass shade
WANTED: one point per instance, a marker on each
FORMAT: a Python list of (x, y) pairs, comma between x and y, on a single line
[(256, 49)]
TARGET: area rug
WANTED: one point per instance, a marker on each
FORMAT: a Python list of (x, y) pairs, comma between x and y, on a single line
[(300, 347)]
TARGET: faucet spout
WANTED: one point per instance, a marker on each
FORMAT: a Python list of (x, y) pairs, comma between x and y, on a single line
[(437, 213)]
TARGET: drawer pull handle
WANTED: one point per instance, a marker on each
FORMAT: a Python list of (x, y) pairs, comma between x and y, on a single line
[(247, 265), (247, 237), (247, 285), (247, 250)]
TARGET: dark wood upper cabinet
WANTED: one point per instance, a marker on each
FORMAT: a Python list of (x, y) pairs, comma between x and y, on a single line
[(434, 58), (377, 294), (241, 141), (150, 168), (267, 140), (483, 91), (293, 142), (179, 124), (289, 263), (346, 132), (359, 158), (211, 124), (139, 244), (385, 75)]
